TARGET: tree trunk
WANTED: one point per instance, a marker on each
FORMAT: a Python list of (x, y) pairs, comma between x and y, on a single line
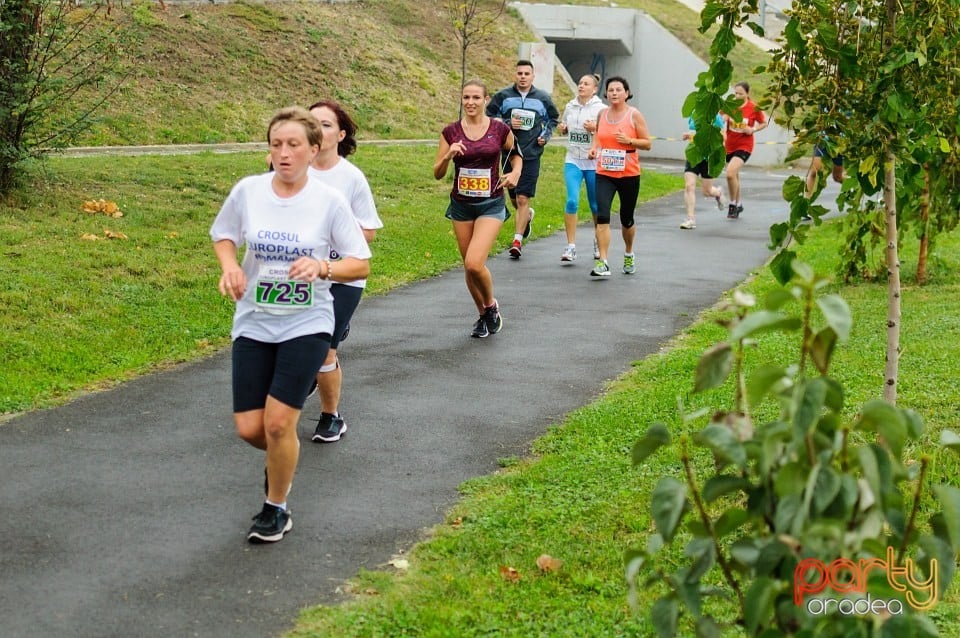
[(890, 371), (924, 235)]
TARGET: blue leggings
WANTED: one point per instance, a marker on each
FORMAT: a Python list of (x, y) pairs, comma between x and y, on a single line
[(573, 175)]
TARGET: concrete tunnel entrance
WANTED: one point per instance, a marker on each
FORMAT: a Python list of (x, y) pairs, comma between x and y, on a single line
[(661, 69)]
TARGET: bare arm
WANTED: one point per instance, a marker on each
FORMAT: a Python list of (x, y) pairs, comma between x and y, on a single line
[(346, 269), (445, 153), (643, 142), (233, 283)]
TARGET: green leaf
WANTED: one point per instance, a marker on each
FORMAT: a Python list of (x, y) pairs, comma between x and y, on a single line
[(834, 397), (935, 548), (871, 472), (714, 367), (778, 298), (908, 626), (668, 503), (944, 145), (789, 514), (725, 446), (790, 479), (771, 557), (826, 488), (763, 321), (730, 521), (759, 604), (763, 380), (795, 41), (950, 440), (707, 627), (914, 423), (810, 405), (656, 437), (793, 188), (821, 349), (721, 485), (886, 420), (664, 615), (689, 104), (702, 554), (837, 314), (948, 497), (745, 552)]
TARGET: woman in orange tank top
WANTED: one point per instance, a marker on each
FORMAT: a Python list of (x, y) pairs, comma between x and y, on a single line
[(621, 132)]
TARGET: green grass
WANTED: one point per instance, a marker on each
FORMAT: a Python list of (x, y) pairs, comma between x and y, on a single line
[(577, 498), (193, 73), (80, 314)]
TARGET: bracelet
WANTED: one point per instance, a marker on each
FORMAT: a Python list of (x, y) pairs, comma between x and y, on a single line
[(329, 276)]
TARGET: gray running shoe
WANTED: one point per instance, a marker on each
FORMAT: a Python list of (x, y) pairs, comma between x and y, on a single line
[(600, 269)]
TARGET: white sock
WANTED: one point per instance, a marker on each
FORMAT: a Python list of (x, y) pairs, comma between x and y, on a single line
[(518, 237), (282, 506)]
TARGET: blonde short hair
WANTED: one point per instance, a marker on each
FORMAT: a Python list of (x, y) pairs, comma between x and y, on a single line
[(298, 115)]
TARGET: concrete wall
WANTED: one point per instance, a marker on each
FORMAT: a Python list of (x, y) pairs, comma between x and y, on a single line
[(661, 70)]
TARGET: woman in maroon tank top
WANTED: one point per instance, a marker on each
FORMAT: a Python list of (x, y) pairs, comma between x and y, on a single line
[(477, 210)]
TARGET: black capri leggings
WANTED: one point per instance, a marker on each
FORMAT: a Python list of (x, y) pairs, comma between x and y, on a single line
[(629, 190)]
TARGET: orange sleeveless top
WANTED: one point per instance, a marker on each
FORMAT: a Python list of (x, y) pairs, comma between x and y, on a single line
[(613, 158)]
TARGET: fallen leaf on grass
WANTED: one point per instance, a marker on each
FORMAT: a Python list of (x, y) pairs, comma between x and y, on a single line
[(400, 563), (89, 237), (93, 206), (109, 234), (509, 573), (548, 563)]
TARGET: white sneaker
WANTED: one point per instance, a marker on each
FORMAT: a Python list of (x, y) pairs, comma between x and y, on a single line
[(721, 200), (569, 254), (689, 224)]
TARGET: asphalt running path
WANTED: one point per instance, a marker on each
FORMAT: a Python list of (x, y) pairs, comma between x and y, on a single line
[(125, 512)]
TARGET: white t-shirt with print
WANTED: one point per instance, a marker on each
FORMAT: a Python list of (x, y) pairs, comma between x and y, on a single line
[(350, 180), (275, 232)]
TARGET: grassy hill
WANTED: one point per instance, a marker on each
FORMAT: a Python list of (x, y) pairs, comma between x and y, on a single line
[(210, 73), (215, 73)]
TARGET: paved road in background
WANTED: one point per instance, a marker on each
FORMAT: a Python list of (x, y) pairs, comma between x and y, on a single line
[(125, 512)]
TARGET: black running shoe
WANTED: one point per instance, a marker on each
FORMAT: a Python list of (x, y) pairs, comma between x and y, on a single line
[(329, 429), (480, 329), (733, 211), (270, 525), (491, 317)]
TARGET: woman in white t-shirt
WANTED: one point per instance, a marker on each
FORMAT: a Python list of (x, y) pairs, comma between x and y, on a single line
[(331, 167), (284, 316), (579, 123)]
